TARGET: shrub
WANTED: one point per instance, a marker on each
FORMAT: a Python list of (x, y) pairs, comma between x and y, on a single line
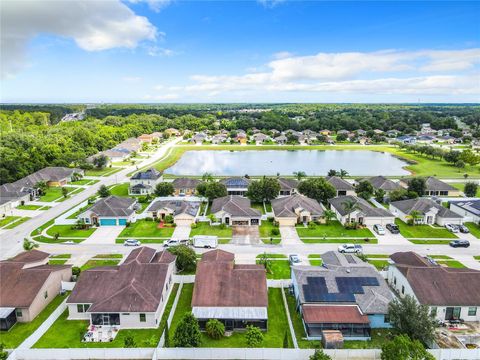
[(76, 270), (148, 219), (129, 342), (187, 333), (222, 226), (194, 225), (311, 225), (254, 336), (186, 258), (275, 231), (169, 219), (215, 329)]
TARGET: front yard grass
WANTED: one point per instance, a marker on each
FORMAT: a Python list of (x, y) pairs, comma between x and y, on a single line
[(474, 229), (204, 228), (66, 231), (334, 229), (57, 261), (120, 189), (29, 207), (315, 259), (54, 193), (97, 263), (429, 242), (340, 241), (451, 263), (102, 172), (20, 331), (144, 228), (108, 256), (13, 224), (266, 228), (279, 269), (61, 256), (423, 231), (7, 220), (273, 256)]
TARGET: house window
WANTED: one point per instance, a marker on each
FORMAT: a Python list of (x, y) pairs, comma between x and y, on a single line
[(81, 308), (394, 281), (433, 312), (386, 318), (472, 311), (403, 289), (19, 313), (45, 294), (143, 318)]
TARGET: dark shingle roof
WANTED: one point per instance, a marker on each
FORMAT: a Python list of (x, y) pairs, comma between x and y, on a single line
[(185, 183), (287, 184), (234, 205), (150, 174), (113, 206), (423, 205), (176, 206), (433, 184), (339, 183), (381, 182), (285, 206), (363, 206), (236, 182)]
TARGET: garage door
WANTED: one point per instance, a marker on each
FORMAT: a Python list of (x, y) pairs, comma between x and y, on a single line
[(184, 222), (108, 222), (240, 222), (122, 221)]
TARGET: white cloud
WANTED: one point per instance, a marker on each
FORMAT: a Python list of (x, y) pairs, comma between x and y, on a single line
[(94, 26), (282, 55), (159, 51), (270, 3), (155, 5)]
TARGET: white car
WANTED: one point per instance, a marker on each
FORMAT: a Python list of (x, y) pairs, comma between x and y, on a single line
[(350, 248), (379, 229), (294, 259), (132, 242), (452, 228), (174, 242)]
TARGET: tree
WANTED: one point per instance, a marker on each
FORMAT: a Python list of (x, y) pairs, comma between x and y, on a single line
[(413, 319), (254, 336), (100, 161), (332, 172), (215, 329), (265, 261), (285, 340), (402, 347), (207, 177), (470, 189), (64, 192), (299, 175), (319, 355), (164, 189), (29, 245), (264, 189), (318, 189), (3, 353), (469, 157), (364, 189), (329, 215), (342, 137), (402, 194), (349, 206), (187, 333), (214, 190), (129, 342), (414, 216), (379, 195), (343, 173), (186, 258), (166, 336), (103, 192), (42, 186), (417, 185)]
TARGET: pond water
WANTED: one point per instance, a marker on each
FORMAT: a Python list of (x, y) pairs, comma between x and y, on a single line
[(285, 162)]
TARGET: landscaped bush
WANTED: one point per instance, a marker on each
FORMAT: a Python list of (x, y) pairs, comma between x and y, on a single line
[(148, 219), (169, 219), (186, 258), (222, 226), (194, 225), (254, 336), (76, 271), (275, 232), (215, 329), (311, 225), (128, 223)]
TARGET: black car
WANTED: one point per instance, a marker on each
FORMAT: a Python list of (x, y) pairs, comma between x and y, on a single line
[(393, 228), (460, 243), (463, 229)]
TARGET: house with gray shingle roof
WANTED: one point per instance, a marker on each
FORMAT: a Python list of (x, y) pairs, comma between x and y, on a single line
[(184, 212), (430, 212), (343, 187), (469, 209), (434, 187), (363, 213), (381, 182), (185, 186), (144, 182), (287, 186), (235, 210), (236, 185), (295, 209), (110, 211)]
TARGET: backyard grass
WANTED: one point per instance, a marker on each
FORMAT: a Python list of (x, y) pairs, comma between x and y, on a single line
[(29, 207), (461, 187), (143, 228), (423, 231), (298, 324), (266, 228), (279, 269), (334, 229), (258, 206), (102, 172), (204, 228), (57, 261), (474, 229), (66, 231), (79, 211), (340, 241), (108, 256), (120, 189), (96, 263), (378, 338), (379, 264), (61, 256), (20, 331)]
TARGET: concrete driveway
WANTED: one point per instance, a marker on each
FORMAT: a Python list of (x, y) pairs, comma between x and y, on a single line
[(389, 238), (181, 232), (245, 235), (289, 236), (104, 235)]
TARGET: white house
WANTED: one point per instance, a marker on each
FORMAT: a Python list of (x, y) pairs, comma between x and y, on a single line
[(184, 212), (144, 182), (429, 212), (363, 213), (469, 209)]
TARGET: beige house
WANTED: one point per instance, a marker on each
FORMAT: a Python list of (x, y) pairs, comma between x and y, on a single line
[(27, 285), (295, 209), (435, 187), (184, 212), (429, 212), (185, 186), (341, 186), (363, 213)]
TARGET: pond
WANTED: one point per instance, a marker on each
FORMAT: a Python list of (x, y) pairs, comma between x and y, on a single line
[(285, 162)]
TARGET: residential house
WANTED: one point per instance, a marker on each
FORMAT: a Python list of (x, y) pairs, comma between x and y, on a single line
[(234, 294), (392, 133), (281, 139), (360, 132), (146, 138), (325, 132), (363, 213), (184, 212), (434, 187), (27, 285), (260, 138), (407, 139), (429, 212), (185, 186), (274, 132), (113, 155), (296, 209), (287, 186), (219, 139), (378, 132), (131, 144), (426, 139), (131, 295), (241, 138), (468, 209), (344, 294), (198, 138), (172, 132), (144, 182), (236, 185), (343, 187), (235, 210), (450, 293), (381, 183), (110, 211)]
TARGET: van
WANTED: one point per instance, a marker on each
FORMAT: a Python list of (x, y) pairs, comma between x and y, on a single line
[(205, 241)]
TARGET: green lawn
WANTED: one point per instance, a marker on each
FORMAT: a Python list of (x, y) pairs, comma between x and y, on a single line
[(108, 256), (20, 331), (423, 231), (7, 220), (79, 211), (474, 229), (334, 229), (266, 228), (477, 257), (96, 263), (61, 256), (54, 193), (57, 261), (143, 228), (451, 263), (377, 256), (429, 242), (273, 256), (315, 260), (379, 337), (29, 207), (67, 231), (204, 228), (277, 319), (279, 269), (341, 241), (12, 224), (120, 189), (102, 172), (379, 264), (84, 182), (298, 324), (259, 207), (461, 187)]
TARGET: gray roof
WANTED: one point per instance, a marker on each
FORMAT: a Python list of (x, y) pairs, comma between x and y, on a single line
[(381, 182), (363, 206), (113, 206), (472, 206), (285, 206), (287, 184), (234, 205), (236, 182), (185, 183), (423, 205), (374, 300), (150, 174), (433, 184), (339, 183), (176, 206)]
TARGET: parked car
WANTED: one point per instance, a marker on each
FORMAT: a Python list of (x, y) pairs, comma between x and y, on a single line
[(132, 242), (379, 229), (452, 228), (350, 248), (460, 243), (393, 228), (463, 229), (294, 259), (175, 242)]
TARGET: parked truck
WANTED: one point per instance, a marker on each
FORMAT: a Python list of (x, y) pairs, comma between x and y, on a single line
[(205, 241)]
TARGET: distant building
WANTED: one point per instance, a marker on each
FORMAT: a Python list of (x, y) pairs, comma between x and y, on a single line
[(185, 186), (236, 185), (144, 182)]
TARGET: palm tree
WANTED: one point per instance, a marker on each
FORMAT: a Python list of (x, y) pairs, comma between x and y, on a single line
[(29, 245), (207, 176), (414, 215), (299, 175), (329, 215), (342, 173), (349, 206)]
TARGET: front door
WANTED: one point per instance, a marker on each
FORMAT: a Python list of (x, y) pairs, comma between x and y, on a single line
[(360, 220), (227, 220), (429, 219)]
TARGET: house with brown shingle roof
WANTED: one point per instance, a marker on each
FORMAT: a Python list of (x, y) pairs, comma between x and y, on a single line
[(185, 186), (450, 293), (236, 295), (128, 296), (27, 285), (235, 210), (295, 209)]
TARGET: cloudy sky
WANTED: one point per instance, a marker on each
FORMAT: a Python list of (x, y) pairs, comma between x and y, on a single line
[(246, 51)]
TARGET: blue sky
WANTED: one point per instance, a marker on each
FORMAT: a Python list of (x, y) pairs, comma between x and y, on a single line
[(248, 51)]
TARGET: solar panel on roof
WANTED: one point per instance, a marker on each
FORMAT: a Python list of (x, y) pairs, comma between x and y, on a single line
[(315, 290)]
